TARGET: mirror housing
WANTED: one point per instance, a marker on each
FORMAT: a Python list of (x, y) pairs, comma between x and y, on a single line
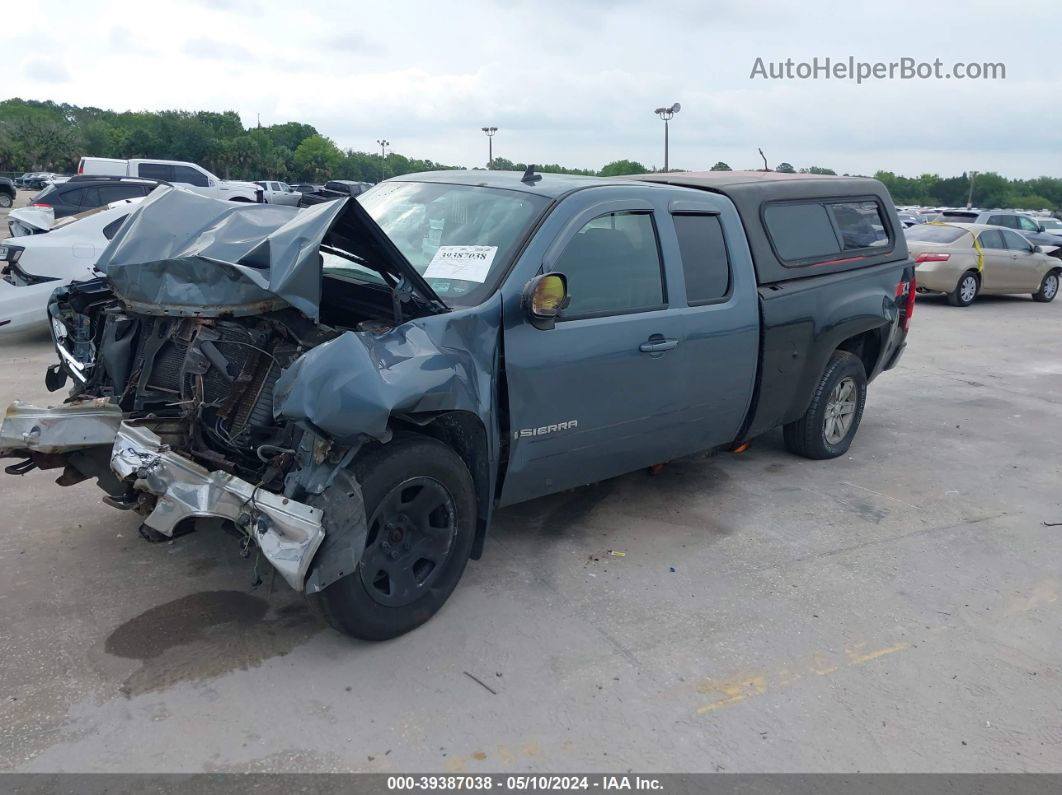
[(543, 299)]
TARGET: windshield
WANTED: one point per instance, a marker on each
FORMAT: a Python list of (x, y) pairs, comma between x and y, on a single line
[(460, 238)]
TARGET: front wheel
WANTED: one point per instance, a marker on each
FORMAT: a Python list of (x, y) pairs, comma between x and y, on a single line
[(420, 508), (5, 201), (828, 426), (1048, 288)]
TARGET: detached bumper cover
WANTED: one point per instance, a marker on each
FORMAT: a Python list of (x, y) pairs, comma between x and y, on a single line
[(287, 532)]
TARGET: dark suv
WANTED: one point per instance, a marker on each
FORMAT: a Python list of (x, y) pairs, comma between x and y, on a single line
[(88, 192)]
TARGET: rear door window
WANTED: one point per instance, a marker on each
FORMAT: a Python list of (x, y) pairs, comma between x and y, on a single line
[(155, 171), (991, 238), (705, 264), (189, 176), (90, 197), (613, 266)]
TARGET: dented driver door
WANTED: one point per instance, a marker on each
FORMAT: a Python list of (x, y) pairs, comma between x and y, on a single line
[(599, 394)]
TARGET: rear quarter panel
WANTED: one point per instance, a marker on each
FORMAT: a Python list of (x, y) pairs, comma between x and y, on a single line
[(805, 320)]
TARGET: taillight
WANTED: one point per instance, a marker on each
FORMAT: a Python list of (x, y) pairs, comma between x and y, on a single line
[(41, 204), (81, 167), (932, 258), (906, 290)]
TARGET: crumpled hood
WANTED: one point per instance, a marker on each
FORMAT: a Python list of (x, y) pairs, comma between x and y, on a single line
[(184, 253)]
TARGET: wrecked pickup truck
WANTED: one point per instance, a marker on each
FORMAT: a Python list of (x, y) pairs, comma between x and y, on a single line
[(355, 387)]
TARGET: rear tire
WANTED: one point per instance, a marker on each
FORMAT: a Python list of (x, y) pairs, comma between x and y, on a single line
[(1048, 288), (828, 426), (966, 290), (420, 506), (5, 201)]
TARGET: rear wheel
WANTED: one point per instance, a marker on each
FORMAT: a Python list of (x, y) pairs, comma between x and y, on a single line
[(966, 290), (5, 200), (421, 514), (828, 426), (1048, 288)]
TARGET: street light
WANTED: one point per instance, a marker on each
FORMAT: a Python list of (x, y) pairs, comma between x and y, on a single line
[(384, 143), (666, 114), (490, 145)]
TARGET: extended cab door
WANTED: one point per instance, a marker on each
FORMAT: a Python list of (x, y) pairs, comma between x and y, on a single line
[(610, 388)]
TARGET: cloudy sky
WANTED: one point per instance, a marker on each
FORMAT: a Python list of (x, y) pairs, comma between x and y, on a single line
[(574, 81)]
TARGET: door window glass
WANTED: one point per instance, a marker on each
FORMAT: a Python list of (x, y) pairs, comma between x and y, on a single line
[(613, 266), (705, 265)]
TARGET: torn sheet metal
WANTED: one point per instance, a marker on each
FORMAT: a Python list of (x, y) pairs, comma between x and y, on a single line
[(288, 532), (60, 429), (182, 253), (354, 383), (30, 220)]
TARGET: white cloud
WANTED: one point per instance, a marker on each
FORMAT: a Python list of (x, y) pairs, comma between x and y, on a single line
[(576, 83)]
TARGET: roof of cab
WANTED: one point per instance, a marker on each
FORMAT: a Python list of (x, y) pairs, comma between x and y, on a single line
[(761, 181), (551, 186)]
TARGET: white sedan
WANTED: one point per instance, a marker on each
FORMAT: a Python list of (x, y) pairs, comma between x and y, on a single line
[(32, 266)]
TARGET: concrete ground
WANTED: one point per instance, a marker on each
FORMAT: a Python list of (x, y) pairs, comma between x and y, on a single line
[(894, 610)]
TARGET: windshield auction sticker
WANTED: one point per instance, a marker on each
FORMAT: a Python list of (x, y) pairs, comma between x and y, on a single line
[(470, 263)]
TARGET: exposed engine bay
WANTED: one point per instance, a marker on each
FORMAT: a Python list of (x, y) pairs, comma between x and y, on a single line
[(176, 354), (203, 385)]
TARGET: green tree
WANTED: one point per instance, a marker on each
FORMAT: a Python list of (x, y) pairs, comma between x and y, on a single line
[(620, 168), (720, 166), (317, 158), (785, 168), (817, 170)]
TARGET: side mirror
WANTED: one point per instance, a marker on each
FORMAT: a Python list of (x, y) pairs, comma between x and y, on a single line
[(1035, 249), (543, 299)]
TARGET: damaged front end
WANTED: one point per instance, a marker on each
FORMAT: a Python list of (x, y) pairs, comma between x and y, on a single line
[(175, 358)]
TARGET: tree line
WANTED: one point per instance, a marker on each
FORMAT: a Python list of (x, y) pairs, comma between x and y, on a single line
[(49, 136)]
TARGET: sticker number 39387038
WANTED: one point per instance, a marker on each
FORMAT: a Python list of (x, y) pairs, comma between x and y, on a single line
[(470, 263)]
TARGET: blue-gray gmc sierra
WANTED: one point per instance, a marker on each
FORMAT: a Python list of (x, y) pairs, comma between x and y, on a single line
[(355, 387)]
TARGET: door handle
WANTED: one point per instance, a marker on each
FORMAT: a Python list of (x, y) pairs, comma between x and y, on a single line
[(658, 344)]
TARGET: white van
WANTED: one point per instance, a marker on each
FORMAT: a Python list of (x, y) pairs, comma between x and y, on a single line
[(187, 175)]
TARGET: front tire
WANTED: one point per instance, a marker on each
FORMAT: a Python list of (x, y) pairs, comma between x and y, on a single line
[(5, 201), (420, 508), (1048, 288), (828, 426)]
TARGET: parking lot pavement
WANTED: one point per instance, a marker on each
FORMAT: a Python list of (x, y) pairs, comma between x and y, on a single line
[(894, 610)]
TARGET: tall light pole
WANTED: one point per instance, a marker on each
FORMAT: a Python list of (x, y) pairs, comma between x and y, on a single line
[(384, 143), (666, 114), (969, 196), (490, 145)]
